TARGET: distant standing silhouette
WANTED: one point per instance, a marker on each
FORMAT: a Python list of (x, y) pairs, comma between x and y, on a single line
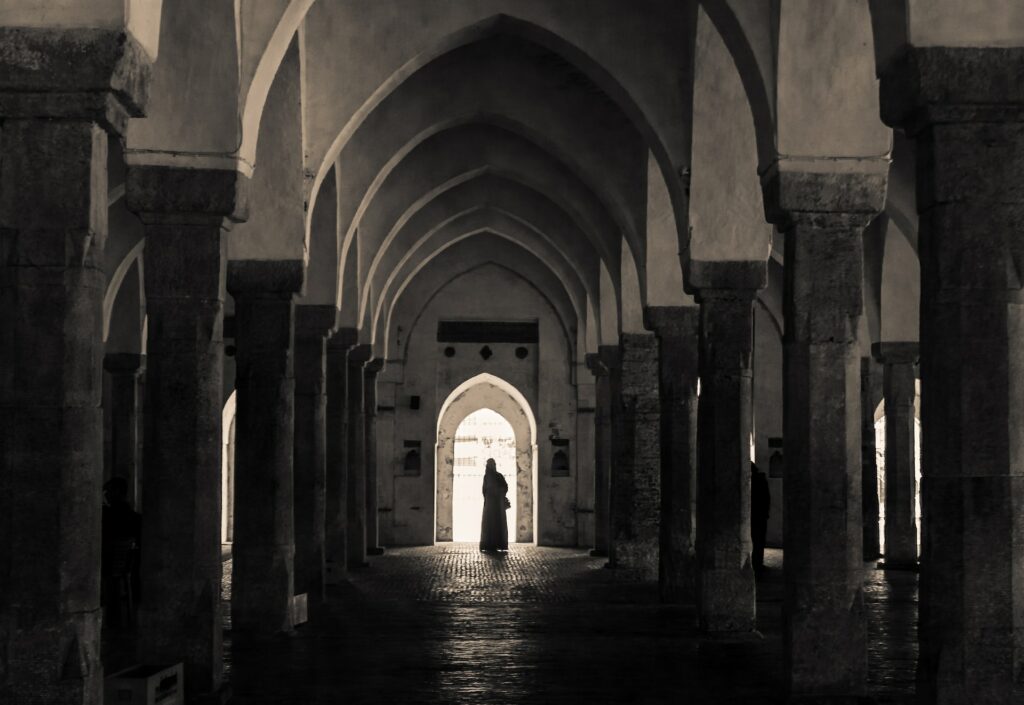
[(493, 529)]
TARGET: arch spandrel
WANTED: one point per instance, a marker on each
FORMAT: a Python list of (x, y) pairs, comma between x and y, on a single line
[(480, 222), (422, 287), (620, 62), (480, 150)]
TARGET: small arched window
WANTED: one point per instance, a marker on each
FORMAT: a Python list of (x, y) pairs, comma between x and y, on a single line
[(560, 463)]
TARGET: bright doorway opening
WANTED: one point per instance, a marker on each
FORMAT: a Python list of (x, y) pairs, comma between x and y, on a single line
[(483, 434), (880, 464)]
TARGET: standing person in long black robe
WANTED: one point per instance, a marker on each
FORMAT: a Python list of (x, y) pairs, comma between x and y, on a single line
[(493, 528)]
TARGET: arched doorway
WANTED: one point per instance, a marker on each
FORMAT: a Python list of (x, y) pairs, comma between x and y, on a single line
[(483, 434), (485, 391)]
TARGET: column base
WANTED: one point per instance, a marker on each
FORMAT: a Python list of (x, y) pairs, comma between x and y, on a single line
[(221, 696), (897, 565), (334, 574), (375, 551), (598, 553), (830, 700)]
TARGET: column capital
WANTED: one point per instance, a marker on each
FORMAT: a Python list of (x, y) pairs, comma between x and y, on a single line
[(931, 85), (262, 278), (826, 194), (671, 322), (101, 75), (726, 279), (373, 367), (596, 365), (896, 353), (124, 363), (342, 340), (177, 195), (360, 354), (315, 320), (611, 356)]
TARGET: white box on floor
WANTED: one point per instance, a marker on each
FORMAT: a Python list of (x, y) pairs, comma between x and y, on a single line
[(145, 685)]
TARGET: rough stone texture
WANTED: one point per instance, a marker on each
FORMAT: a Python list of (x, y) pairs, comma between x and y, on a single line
[(180, 615), (636, 475), (336, 490), (725, 275), (172, 194), (312, 325), (98, 75), (899, 360), (677, 330), (373, 367), (824, 602), (596, 363), (725, 582), (53, 226), (968, 120), (869, 468), (124, 370), (356, 465), (264, 547)]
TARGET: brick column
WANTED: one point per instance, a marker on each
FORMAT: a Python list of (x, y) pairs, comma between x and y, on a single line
[(263, 580), (124, 370), (677, 330), (312, 325), (967, 118), (373, 367), (725, 582), (186, 213), (336, 491), (822, 217), (602, 451), (61, 93), (899, 360), (869, 468), (636, 477), (358, 356)]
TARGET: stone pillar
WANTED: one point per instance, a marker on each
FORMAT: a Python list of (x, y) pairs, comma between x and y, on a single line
[(124, 370), (899, 380), (373, 367), (608, 366), (336, 540), (725, 581), (61, 93), (822, 217), (312, 325), (676, 328), (636, 478), (602, 452), (869, 468), (358, 356), (186, 213), (264, 548), (967, 121)]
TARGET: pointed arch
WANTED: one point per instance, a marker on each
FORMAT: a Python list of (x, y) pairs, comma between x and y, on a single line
[(486, 391)]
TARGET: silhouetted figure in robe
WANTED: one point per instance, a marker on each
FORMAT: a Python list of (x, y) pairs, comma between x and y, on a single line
[(493, 528), (760, 505)]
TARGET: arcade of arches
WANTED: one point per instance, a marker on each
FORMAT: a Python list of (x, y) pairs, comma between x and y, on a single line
[(261, 258)]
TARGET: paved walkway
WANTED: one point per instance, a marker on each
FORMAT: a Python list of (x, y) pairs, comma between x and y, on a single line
[(449, 625)]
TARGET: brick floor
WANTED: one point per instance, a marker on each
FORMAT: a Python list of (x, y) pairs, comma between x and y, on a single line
[(447, 624)]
